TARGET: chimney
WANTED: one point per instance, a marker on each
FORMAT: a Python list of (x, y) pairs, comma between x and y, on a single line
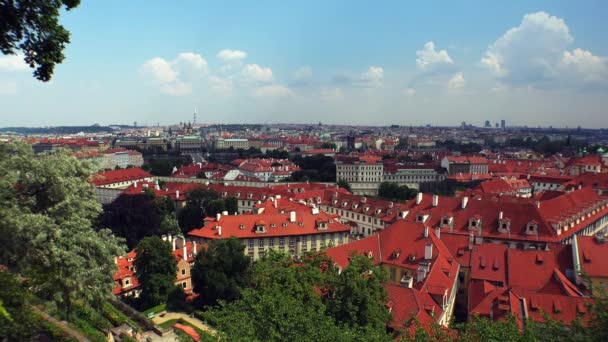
[(292, 216), (176, 194), (426, 232), (428, 251), (135, 184), (500, 215), (537, 204), (218, 216), (465, 201), (185, 251), (219, 230), (435, 200), (225, 213), (421, 274), (419, 198), (438, 232), (471, 238), (194, 251)]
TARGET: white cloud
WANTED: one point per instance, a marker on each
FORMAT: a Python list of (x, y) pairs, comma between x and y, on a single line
[(174, 77), (256, 73), (409, 92), (158, 70), (428, 57), (13, 63), (272, 90), (228, 55), (457, 81), (220, 84), (303, 73), (535, 53), (373, 77)]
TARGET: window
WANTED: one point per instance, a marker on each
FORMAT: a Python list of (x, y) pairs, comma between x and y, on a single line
[(184, 284), (281, 242), (250, 243), (392, 273), (261, 243), (271, 243), (183, 271)]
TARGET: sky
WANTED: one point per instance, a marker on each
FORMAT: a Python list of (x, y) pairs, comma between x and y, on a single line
[(535, 63)]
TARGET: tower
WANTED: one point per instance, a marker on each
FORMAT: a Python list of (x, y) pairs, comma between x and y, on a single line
[(194, 117)]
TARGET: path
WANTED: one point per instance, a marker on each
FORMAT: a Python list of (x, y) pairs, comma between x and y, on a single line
[(63, 325), (186, 318)]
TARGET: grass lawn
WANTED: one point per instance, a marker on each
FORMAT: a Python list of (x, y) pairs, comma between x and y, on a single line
[(155, 309)]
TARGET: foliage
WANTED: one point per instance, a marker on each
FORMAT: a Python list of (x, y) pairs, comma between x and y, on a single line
[(329, 145), (155, 268), (32, 28), (47, 207), (16, 319), (358, 296), (176, 300), (393, 191), (318, 168), (220, 271), (201, 203), (287, 302), (134, 217), (341, 183)]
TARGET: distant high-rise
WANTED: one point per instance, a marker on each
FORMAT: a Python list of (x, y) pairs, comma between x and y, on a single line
[(135, 124), (194, 117), (503, 124), (497, 125), (488, 124)]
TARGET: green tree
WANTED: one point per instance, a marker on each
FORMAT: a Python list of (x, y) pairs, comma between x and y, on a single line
[(47, 206), (396, 192), (197, 203), (231, 205), (32, 28), (341, 183), (155, 269), (220, 271), (16, 319), (329, 145), (358, 295)]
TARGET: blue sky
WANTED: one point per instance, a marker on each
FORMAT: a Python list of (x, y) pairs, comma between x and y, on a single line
[(394, 62)]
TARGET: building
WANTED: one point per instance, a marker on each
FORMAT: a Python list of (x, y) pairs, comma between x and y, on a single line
[(465, 164), (589, 257), (120, 179), (189, 143), (296, 232), (416, 260), (412, 174), (221, 144), (364, 174), (118, 157)]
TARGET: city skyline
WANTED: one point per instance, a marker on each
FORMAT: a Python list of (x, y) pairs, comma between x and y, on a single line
[(541, 64)]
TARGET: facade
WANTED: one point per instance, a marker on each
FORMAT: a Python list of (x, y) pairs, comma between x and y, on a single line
[(295, 232), (465, 164), (221, 144), (412, 174), (120, 158), (363, 174), (120, 179)]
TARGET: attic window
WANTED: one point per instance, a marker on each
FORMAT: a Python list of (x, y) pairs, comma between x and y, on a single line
[(446, 221), (301, 224), (531, 228), (224, 194), (331, 221), (238, 194), (272, 225), (284, 224), (259, 229), (378, 211), (396, 253), (249, 195), (241, 226)]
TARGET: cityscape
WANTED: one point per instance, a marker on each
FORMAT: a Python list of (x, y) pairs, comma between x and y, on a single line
[(204, 197)]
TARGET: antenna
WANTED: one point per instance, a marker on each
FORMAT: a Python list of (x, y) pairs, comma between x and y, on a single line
[(194, 117)]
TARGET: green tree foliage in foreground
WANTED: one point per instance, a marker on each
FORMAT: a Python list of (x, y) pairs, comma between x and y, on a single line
[(155, 269), (201, 203), (16, 320), (290, 302), (220, 271), (395, 192), (32, 28), (47, 206)]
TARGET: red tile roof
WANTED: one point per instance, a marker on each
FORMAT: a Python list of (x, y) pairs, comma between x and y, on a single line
[(117, 176)]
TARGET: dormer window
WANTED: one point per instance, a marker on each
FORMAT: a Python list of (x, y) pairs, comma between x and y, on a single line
[(237, 195), (301, 224), (378, 211), (321, 225), (318, 199), (272, 225), (260, 228), (475, 222), (366, 209), (249, 195), (241, 226), (284, 224), (396, 253), (334, 202), (504, 225), (355, 205), (344, 204), (532, 228), (224, 194)]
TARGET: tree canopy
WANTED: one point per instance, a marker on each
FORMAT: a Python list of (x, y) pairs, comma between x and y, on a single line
[(47, 206), (32, 28), (155, 269), (220, 271), (394, 191)]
